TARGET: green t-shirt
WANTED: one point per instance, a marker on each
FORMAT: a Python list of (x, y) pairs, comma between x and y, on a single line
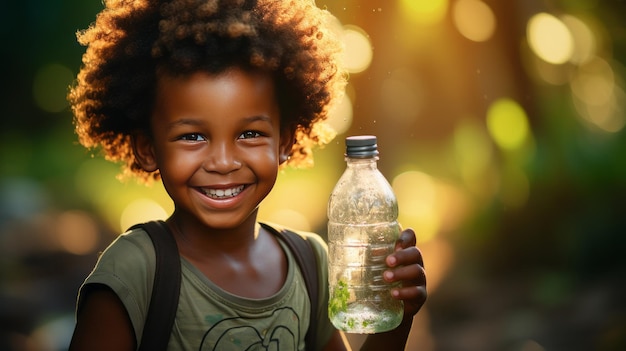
[(208, 317)]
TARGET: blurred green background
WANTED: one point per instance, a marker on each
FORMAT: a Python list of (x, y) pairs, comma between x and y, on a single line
[(501, 125)]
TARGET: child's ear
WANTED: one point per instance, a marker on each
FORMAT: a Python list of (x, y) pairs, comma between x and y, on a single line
[(144, 152), (286, 143)]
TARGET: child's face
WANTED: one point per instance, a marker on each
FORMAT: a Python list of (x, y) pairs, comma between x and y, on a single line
[(217, 144)]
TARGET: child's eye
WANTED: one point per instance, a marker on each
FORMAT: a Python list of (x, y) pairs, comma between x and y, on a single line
[(192, 137), (249, 134)]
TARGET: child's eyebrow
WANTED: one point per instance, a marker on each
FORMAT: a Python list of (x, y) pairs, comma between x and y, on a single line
[(262, 118), (184, 121), (198, 122)]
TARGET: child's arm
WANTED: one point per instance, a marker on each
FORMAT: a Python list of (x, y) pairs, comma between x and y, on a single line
[(393, 340), (102, 323), (337, 342)]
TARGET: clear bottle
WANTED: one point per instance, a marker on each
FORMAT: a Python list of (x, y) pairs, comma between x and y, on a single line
[(362, 231)]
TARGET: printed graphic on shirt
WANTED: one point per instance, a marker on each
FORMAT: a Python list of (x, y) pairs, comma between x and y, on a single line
[(279, 331)]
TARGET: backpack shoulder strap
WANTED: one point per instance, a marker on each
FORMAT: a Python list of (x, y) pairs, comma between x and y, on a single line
[(165, 289), (307, 262)]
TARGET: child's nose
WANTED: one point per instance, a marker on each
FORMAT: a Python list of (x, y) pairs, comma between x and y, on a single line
[(221, 158)]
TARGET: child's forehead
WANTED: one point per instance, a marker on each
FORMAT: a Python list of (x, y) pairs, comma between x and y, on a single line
[(234, 84), (165, 74)]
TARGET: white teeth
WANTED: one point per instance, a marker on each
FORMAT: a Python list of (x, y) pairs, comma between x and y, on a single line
[(223, 193)]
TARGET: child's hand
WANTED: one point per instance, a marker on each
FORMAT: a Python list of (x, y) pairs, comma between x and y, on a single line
[(407, 266)]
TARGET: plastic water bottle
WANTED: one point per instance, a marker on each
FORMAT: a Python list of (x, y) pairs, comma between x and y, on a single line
[(362, 231)]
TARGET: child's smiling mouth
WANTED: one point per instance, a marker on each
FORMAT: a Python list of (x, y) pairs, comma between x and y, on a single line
[(222, 193)]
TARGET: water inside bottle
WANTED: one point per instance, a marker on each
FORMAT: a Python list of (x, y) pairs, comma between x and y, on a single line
[(360, 300)]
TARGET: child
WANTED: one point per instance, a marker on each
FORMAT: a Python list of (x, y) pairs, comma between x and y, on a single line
[(211, 97)]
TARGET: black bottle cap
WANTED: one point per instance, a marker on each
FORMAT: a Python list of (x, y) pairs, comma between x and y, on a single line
[(361, 146)]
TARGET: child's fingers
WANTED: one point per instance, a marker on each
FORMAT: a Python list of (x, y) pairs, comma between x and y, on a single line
[(406, 256), (407, 267), (413, 297), (406, 239), (413, 290), (410, 275)]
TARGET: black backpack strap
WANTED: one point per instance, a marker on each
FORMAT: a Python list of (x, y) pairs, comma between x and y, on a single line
[(307, 262), (165, 290)]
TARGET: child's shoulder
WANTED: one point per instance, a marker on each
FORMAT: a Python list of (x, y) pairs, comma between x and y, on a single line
[(316, 240), (136, 236), (130, 247)]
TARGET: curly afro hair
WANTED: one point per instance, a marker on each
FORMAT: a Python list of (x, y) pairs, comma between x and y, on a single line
[(132, 42)]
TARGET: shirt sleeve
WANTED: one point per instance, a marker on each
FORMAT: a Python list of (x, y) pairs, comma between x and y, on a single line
[(127, 267)]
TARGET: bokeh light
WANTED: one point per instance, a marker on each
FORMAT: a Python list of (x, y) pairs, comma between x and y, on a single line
[(301, 192), (439, 257), (507, 124), (549, 73), (474, 19), (424, 12), (598, 98), (427, 204), (417, 196), (585, 42), (50, 87), (93, 179), (550, 38), (77, 232), (593, 83), (473, 154), (358, 49), (140, 211), (97, 179), (340, 117)]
